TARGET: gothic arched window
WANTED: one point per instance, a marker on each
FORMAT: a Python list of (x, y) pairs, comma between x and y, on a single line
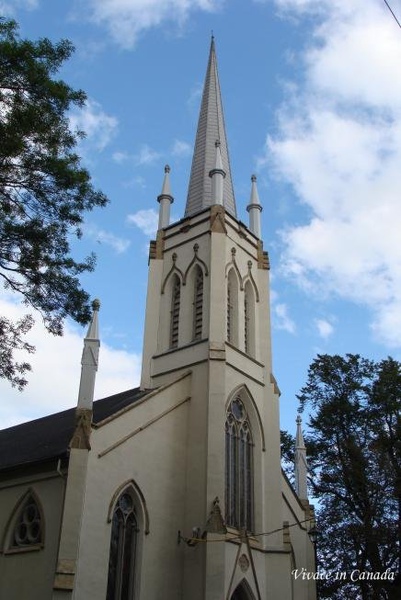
[(232, 308), (28, 526), (239, 467), (123, 550), (249, 317), (198, 304), (175, 311)]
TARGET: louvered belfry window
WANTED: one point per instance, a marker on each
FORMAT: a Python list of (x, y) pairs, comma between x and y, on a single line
[(175, 312), (123, 550), (239, 468), (229, 311), (246, 317), (198, 304)]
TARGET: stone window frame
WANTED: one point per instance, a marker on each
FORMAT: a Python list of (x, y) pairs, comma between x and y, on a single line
[(141, 524), (20, 520), (239, 467)]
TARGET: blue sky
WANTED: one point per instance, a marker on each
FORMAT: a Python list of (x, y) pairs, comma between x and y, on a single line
[(312, 99)]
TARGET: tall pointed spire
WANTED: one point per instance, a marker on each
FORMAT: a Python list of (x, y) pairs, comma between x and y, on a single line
[(210, 128)]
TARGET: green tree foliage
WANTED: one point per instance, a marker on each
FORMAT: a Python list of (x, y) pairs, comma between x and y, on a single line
[(287, 447), (354, 450), (44, 192)]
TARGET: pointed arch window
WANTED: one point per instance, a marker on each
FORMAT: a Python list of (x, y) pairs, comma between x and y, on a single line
[(249, 319), (198, 304), (123, 550), (175, 311), (28, 526), (232, 308), (239, 467)]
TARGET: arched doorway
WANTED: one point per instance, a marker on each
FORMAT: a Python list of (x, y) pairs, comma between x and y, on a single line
[(243, 592)]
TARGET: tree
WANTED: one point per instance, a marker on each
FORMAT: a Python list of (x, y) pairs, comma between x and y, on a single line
[(44, 192), (355, 459)]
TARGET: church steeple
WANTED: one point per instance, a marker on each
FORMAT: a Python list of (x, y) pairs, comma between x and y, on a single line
[(210, 128)]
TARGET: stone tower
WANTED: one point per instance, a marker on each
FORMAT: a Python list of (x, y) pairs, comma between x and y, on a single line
[(208, 313)]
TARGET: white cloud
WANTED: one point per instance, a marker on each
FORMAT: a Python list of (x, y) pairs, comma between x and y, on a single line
[(119, 245), (181, 148), (324, 327), (281, 319), (146, 220), (339, 145), (98, 126), (127, 19), (8, 9), (54, 382), (146, 156)]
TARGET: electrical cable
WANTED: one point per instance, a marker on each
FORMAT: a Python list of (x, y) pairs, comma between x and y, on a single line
[(392, 12), (239, 537)]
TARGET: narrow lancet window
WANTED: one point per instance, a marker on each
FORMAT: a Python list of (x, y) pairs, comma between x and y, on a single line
[(239, 468), (249, 320), (175, 312), (198, 304), (229, 311), (123, 550), (232, 308)]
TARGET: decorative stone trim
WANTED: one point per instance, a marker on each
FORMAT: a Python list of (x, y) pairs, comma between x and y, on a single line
[(173, 269), (83, 427), (215, 522), (249, 277), (194, 260), (233, 264), (263, 257), (65, 575), (217, 224)]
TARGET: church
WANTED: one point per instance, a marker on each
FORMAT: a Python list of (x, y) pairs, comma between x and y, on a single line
[(172, 490)]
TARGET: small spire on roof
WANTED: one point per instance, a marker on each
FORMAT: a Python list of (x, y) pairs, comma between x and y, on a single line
[(93, 329), (301, 466), (217, 175), (89, 361), (254, 208), (165, 199)]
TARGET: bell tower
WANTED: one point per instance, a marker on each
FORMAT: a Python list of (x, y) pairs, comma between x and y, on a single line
[(208, 313)]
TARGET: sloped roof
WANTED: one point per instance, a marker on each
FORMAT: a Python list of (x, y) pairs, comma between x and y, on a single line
[(210, 129), (49, 437)]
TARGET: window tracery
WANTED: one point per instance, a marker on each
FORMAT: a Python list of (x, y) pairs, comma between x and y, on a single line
[(123, 550), (28, 528), (239, 467)]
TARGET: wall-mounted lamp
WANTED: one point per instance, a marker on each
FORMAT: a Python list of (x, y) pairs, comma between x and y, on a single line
[(313, 534)]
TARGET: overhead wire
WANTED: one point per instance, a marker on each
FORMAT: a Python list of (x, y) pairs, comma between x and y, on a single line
[(393, 13), (242, 536)]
